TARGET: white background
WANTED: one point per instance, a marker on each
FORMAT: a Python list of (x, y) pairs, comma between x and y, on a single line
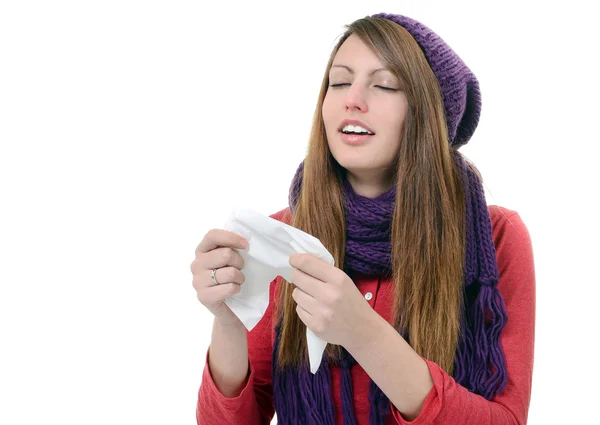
[(128, 129)]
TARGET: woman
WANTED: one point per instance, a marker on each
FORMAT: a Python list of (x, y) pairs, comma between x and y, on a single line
[(429, 310)]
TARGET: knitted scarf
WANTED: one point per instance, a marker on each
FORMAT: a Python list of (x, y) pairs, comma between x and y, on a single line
[(302, 398)]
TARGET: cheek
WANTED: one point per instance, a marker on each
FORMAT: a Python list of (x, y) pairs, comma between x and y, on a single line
[(395, 121), (330, 118), (326, 112), (392, 124)]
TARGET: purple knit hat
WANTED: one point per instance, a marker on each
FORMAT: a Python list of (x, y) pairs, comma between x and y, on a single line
[(460, 88)]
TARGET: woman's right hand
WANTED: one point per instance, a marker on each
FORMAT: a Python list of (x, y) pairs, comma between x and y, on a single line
[(216, 251)]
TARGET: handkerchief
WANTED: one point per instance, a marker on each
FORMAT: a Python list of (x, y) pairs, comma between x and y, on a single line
[(270, 245)]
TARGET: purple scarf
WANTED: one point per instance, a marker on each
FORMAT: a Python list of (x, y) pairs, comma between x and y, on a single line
[(302, 398)]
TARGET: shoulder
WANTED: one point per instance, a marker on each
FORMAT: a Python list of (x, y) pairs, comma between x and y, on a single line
[(514, 251), (283, 215), (508, 227), (507, 224)]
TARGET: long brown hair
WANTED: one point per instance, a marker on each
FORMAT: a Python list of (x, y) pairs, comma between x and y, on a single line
[(428, 223)]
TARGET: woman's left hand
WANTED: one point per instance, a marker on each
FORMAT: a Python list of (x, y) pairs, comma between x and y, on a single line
[(329, 303)]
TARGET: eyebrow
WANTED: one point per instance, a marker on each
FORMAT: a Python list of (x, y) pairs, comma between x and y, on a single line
[(351, 71)]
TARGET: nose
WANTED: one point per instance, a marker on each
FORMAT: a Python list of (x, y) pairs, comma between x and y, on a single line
[(355, 99)]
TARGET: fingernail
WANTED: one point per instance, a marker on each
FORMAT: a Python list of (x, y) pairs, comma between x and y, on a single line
[(246, 236)]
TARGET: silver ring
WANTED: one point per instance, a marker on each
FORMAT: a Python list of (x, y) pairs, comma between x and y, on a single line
[(213, 277)]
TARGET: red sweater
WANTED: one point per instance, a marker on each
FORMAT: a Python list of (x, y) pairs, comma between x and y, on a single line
[(448, 403)]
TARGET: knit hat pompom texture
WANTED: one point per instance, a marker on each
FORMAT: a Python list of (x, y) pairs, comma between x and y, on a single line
[(460, 87)]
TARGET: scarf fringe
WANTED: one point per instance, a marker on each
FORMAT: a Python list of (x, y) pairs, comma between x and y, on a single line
[(480, 364), (299, 396), (380, 405), (347, 388)]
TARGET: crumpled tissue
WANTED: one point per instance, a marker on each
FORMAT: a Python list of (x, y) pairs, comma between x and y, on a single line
[(270, 245)]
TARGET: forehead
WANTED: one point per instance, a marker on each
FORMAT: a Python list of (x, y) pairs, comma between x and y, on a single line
[(355, 56)]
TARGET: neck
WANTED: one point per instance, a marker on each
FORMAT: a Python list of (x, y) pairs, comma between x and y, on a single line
[(369, 187)]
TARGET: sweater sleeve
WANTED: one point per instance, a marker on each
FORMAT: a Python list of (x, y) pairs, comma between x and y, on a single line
[(450, 403), (254, 405)]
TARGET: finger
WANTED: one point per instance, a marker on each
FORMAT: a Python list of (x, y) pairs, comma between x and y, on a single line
[(218, 293), (223, 257), (227, 275), (311, 265), (307, 302), (219, 257), (215, 238), (305, 316), (307, 283)]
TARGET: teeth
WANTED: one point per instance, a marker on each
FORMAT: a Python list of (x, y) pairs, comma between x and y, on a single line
[(355, 129)]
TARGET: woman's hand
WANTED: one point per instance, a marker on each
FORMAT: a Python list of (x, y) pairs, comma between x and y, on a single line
[(216, 251), (329, 303)]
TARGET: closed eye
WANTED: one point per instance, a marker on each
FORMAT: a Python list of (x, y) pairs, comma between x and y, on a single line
[(347, 84)]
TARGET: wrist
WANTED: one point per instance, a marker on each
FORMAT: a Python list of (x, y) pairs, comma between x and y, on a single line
[(230, 322), (366, 333)]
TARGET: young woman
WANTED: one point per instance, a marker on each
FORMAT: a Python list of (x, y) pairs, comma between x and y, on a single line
[(429, 310)]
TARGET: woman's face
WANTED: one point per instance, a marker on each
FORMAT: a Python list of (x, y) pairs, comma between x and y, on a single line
[(371, 95)]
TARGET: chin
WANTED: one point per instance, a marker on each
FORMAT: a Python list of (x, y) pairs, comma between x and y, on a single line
[(355, 165)]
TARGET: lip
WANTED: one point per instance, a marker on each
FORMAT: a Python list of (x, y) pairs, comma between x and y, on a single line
[(354, 122), (355, 139)]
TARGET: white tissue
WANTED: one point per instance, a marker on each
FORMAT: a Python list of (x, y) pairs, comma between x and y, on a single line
[(271, 243)]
